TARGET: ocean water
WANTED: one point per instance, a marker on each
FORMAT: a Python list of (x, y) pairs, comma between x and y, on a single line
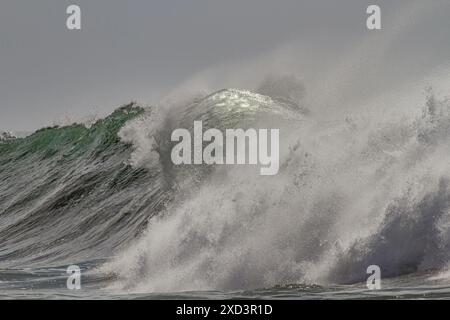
[(352, 191), (50, 284)]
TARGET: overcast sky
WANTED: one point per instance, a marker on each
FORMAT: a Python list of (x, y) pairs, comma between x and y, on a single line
[(143, 49)]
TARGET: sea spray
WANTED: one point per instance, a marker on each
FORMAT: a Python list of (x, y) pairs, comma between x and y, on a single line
[(345, 196)]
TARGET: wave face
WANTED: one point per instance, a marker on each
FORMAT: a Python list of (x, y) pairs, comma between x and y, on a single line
[(67, 194), (349, 193)]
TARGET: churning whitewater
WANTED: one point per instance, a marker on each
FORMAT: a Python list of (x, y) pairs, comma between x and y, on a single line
[(350, 192)]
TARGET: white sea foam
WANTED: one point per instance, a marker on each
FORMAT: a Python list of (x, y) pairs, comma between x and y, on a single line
[(363, 180), (350, 193)]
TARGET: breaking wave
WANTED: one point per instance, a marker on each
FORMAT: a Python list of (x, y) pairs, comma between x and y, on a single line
[(349, 193)]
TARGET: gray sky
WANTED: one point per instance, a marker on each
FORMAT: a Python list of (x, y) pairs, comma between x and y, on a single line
[(144, 49)]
